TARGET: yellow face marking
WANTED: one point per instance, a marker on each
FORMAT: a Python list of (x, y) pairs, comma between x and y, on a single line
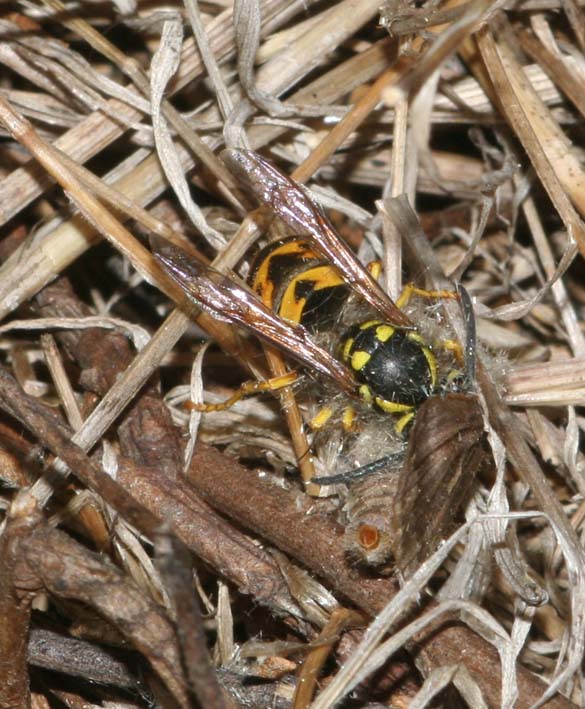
[(391, 407), (321, 418), (323, 277), (359, 360), (384, 332)]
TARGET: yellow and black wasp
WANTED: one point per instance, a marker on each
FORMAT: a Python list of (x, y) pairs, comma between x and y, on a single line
[(303, 286)]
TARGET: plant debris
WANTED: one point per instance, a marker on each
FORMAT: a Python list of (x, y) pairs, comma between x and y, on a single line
[(159, 548)]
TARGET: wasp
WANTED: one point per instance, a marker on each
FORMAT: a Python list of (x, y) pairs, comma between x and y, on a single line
[(302, 287)]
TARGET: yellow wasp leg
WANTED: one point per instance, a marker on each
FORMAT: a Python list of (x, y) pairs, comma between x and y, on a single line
[(409, 290), (349, 418), (375, 269), (403, 422), (321, 418), (455, 347), (246, 389)]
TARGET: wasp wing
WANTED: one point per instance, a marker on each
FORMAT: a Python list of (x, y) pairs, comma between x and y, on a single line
[(445, 453), (289, 201), (226, 300)]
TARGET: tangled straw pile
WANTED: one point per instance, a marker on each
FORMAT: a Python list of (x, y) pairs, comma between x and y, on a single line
[(216, 571)]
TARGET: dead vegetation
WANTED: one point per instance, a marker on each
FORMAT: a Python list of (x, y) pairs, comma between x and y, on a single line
[(152, 555)]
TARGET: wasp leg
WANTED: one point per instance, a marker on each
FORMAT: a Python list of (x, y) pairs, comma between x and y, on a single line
[(321, 418), (403, 421), (454, 347), (409, 290), (246, 389), (375, 269), (349, 419)]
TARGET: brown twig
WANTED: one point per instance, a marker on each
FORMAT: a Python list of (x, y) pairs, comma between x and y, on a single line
[(307, 679), (175, 566), (67, 570), (281, 517), (17, 590), (53, 651)]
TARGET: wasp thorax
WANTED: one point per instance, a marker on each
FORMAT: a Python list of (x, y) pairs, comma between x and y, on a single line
[(396, 369)]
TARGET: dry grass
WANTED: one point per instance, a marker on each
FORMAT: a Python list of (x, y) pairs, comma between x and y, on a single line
[(154, 554)]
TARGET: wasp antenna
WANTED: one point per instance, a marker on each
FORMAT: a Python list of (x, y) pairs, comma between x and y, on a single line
[(470, 334)]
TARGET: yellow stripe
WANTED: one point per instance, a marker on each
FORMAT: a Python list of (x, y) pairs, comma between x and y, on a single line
[(384, 332), (415, 337), (347, 345), (370, 323), (265, 289), (432, 362), (428, 353), (262, 284), (359, 360), (323, 277)]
